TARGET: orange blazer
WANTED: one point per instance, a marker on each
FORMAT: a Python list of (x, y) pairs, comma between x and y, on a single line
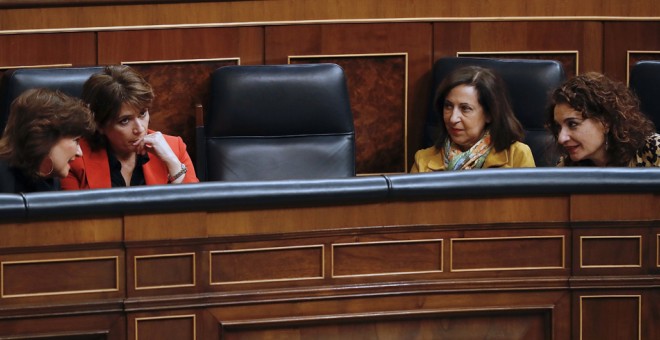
[(92, 170)]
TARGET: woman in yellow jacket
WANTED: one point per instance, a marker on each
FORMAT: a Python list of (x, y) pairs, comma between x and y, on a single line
[(478, 128)]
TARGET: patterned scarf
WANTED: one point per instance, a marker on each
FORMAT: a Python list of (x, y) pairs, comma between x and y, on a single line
[(473, 158)]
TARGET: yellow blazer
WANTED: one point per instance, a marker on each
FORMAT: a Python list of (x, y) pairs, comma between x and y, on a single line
[(518, 155)]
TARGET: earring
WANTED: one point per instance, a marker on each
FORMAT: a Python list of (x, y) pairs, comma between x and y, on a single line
[(607, 144)]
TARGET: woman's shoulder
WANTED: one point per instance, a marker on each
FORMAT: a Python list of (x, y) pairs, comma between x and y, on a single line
[(429, 159), (649, 155), (520, 147)]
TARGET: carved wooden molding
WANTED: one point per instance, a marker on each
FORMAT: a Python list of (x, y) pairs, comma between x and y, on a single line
[(70, 3)]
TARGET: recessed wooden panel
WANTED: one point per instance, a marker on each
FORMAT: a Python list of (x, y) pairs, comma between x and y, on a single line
[(266, 264), (380, 258), (180, 327), (610, 251), (59, 276), (164, 271), (83, 326), (610, 317), (528, 324), (504, 253), (379, 129), (53, 49)]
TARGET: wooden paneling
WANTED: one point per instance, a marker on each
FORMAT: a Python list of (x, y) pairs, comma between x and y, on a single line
[(292, 10), (531, 37), (622, 37), (597, 321), (511, 324), (164, 271), (165, 226), (613, 207), (432, 212), (59, 276), (369, 43), (454, 315), (53, 49), (378, 258), (107, 326), (543, 252), (520, 268), (182, 327), (45, 233), (276, 264)]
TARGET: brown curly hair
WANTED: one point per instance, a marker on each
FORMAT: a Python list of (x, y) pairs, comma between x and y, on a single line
[(610, 102)]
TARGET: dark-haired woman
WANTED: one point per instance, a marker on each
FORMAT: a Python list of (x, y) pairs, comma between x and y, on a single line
[(124, 151), (41, 140), (478, 128)]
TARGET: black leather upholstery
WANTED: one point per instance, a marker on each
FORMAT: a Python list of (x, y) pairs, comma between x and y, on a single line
[(645, 82), (12, 207), (217, 196), (529, 85), (523, 181), (275, 122), (211, 196), (68, 80)]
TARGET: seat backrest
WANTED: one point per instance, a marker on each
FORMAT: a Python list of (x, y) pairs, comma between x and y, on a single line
[(273, 122), (645, 82), (529, 83), (69, 80)]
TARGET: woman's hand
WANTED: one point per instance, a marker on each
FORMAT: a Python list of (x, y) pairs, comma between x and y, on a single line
[(155, 144)]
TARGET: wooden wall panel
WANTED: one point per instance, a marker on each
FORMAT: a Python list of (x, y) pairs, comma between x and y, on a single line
[(368, 41), (292, 10), (473, 315), (107, 326), (596, 321), (532, 37), (621, 37), (61, 49), (511, 324)]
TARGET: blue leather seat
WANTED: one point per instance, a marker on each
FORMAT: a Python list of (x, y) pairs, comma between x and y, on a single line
[(645, 82), (529, 85), (69, 80), (273, 122)]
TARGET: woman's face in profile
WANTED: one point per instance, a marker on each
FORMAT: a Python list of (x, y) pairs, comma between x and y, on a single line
[(582, 138), (126, 131), (465, 119), (59, 157)]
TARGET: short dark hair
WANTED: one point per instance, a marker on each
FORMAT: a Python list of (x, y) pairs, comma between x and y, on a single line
[(108, 90), (505, 129), (38, 119), (610, 102)]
